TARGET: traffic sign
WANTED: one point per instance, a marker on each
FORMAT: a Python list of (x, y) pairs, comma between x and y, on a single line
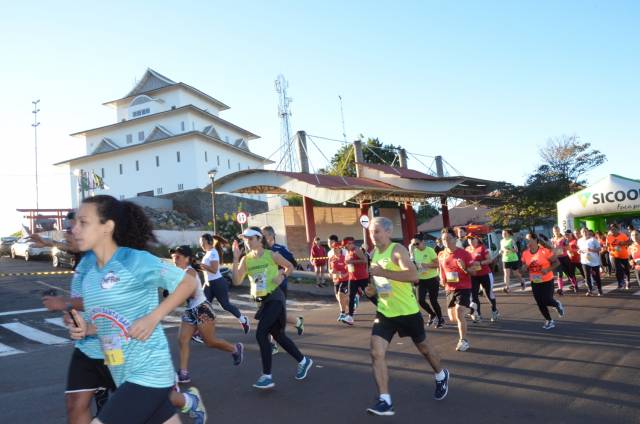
[(242, 217), (364, 221)]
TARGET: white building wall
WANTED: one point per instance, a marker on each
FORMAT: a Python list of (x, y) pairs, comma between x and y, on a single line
[(189, 120), (191, 171)]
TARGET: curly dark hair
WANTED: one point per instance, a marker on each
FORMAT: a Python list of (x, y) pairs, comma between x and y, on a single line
[(132, 227)]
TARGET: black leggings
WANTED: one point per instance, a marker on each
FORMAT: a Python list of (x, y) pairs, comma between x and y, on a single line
[(605, 260), (272, 317), (575, 266), (353, 291), (543, 294), (219, 289), (593, 272), (485, 282), (566, 267), (430, 286), (623, 269)]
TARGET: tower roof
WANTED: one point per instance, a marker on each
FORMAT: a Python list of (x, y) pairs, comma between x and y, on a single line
[(151, 80)]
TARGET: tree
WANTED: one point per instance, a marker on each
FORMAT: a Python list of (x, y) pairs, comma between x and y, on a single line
[(565, 161), (373, 151), (426, 212)]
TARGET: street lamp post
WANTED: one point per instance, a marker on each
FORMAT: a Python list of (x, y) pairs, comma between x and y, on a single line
[(212, 175), (35, 137)]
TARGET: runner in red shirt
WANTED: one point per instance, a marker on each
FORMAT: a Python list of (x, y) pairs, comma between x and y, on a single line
[(340, 277), (454, 275), (358, 268), (540, 262), (318, 260), (574, 255), (634, 254), (561, 250), (480, 277)]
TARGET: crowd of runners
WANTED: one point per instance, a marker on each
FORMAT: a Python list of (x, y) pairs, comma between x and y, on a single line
[(122, 359)]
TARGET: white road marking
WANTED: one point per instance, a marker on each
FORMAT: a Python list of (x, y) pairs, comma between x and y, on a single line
[(34, 334), (56, 321), (8, 350), (24, 311)]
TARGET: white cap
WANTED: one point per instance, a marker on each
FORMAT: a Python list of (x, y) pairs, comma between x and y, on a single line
[(250, 233)]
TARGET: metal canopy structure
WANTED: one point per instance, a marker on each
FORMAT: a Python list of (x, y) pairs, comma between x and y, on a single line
[(374, 183), (323, 188)]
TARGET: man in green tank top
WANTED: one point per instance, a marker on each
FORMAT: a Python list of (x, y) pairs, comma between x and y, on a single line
[(393, 275)]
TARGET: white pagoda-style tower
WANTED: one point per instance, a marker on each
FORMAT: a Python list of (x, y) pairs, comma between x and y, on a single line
[(166, 138)]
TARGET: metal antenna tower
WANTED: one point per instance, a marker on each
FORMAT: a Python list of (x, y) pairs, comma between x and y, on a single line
[(35, 137), (288, 161)]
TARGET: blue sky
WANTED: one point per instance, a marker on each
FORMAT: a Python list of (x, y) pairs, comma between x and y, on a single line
[(482, 83)]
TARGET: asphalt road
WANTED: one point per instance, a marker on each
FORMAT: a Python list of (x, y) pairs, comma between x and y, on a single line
[(586, 370)]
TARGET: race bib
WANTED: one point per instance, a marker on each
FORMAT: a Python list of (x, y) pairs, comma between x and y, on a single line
[(589, 257), (259, 284), (536, 277), (617, 248), (351, 268), (112, 349), (475, 268), (383, 286), (452, 277), (557, 252)]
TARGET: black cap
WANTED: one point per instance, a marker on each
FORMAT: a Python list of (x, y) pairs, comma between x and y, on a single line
[(184, 250)]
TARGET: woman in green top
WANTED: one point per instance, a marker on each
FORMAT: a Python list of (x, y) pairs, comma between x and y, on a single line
[(261, 266), (510, 260)]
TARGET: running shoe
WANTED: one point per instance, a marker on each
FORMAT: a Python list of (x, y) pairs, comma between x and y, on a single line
[(506, 289), (238, 355), (184, 377), (626, 286), (462, 346), (246, 326), (440, 323), (197, 338), (341, 317), (560, 309), (588, 293), (494, 316), (274, 349), (300, 327), (560, 292), (432, 320), (523, 286), (381, 408), (264, 382), (548, 325), (473, 307), (348, 320), (303, 369), (600, 293), (574, 289), (442, 386), (197, 410), (356, 302), (477, 318)]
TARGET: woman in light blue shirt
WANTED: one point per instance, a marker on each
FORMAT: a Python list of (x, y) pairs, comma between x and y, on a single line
[(120, 294)]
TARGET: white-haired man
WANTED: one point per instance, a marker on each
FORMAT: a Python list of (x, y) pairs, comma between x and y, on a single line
[(397, 312)]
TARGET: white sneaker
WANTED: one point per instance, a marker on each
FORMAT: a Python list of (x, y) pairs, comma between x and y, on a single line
[(341, 317), (548, 325), (494, 316), (560, 309), (348, 320), (462, 345)]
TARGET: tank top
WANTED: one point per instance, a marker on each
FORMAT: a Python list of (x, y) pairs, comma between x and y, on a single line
[(422, 257), (198, 297), (509, 255), (394, 298), (261, 272)]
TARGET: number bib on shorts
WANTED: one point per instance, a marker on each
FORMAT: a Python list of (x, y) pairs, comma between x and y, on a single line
[(112, 349)]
